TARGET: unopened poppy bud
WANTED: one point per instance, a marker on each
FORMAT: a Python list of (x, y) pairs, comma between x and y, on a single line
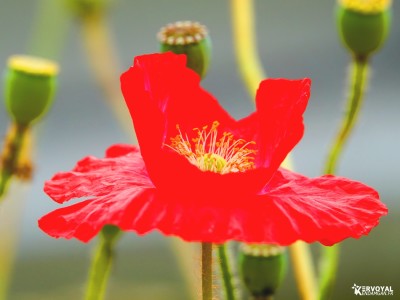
[(190, 38), (29, 87), (262, 268), (363, 25)]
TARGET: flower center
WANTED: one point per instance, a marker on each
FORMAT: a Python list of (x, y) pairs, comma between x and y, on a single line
[(211, 152), (366, 6)]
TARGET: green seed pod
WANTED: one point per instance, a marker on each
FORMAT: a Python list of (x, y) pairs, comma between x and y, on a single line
[(262, 269), (363, 25), (29, 87), (190, 38)]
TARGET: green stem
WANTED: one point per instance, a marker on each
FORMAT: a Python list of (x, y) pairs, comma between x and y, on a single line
[(49, 30), (226, 274), (358, 83), (328, 267), (11, 152), (101, 264), (330, 255), (206, 270)]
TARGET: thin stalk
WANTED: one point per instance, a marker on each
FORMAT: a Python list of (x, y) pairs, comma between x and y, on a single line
[(358, 83), (11, 152), (15, 147), (101, 264), (11, 212), (50, 28), (330, 255), (226, 273), (206, 271), (245, 44), (304, 270), (103, 62), (328, 268), (243, 20)]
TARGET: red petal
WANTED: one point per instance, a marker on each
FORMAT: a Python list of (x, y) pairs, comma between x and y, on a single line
[(84, 220), (326, 209), (280, 107), (122, 168), (160, 93)]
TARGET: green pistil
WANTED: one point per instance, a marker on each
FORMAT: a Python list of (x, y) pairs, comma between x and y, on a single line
[(212, 162)]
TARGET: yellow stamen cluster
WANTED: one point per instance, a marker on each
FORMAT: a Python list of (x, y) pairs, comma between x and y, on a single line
[(366, 6), (33, 65), (208, 152)]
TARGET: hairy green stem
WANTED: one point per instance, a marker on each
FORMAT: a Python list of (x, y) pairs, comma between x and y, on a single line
[(101, 264), (330, 255), (226, 273), (358, 83), (9, 159), (206, 271)]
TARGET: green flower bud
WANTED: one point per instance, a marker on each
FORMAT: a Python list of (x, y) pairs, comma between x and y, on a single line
[(262, 269), (363, 25), (29, 87), (190, 38)]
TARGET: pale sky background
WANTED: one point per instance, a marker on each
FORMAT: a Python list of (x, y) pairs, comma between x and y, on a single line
[(296, 39)]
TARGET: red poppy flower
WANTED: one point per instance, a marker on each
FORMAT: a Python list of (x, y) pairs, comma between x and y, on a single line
[(203, 176)]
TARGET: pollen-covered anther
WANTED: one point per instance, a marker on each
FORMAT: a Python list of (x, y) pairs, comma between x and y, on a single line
[(366, 6), (182, 33), (211, 151)]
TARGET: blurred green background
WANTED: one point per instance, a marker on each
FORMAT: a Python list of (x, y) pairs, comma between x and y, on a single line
[(296, 39)]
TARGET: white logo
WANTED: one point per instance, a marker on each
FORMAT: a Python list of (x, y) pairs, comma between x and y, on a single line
[(372, 290)]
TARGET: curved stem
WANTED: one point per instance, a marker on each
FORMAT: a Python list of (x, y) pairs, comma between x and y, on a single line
[(245, 44), (11, 213), (330, 255), (17, 146), (104, 64), (304, 270), (226, 273), (206, 271), (11, 152), (328, 267), (101, 264), (354, 102)]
